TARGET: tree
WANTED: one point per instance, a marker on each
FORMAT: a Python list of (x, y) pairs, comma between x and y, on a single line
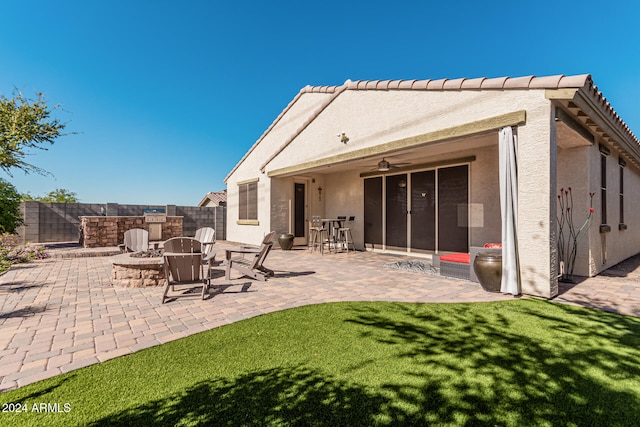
[(25, 124), (10, 216), (59, 195)]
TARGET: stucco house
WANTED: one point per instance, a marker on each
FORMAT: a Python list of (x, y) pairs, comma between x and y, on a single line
[(417, 162)]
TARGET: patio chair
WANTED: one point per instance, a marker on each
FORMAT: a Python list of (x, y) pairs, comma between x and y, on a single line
[(187, 245), (136, 240), (183, 245), (248, 260), (183, 270), (206, 236), (345, 239)]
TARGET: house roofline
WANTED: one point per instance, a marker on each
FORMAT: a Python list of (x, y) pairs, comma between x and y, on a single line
[(582, 82), (306, 89), (209, 196)]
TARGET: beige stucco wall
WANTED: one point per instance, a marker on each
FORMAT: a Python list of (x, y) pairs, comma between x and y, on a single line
[(575, 171), (370, 118), (282, 200), (250, 169), (536, 201), (608, 249), (579, 168), (345, 197)]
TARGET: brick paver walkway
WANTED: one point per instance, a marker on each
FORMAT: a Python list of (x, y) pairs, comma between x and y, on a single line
[(62, 314)]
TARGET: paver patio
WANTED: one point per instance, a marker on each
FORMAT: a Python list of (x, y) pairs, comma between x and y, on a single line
[(61, 314)]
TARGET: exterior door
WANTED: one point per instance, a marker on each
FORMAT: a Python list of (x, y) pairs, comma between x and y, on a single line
[(300, 213)]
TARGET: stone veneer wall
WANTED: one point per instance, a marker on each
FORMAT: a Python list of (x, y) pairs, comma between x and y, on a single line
[(101, 231), (138, 276)]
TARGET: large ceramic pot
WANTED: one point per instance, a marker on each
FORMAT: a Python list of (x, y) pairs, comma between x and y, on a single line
[(488, 268), (286, 241)]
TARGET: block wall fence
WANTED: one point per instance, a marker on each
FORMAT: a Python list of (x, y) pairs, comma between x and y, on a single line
[(60, 222)]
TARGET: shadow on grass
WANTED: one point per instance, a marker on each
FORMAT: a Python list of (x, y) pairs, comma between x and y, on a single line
[(512, 366), (292, 397), (508, 363)]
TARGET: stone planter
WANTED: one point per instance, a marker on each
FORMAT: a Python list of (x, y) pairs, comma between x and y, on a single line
[(488, 268), (286, 241)]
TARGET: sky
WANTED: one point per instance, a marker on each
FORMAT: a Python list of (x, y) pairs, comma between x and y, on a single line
[(161, 99)]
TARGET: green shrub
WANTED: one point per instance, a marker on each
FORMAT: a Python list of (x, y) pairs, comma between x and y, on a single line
[(10, 216)]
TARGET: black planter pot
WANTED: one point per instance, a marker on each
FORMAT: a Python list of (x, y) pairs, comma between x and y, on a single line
[(488, 268), (286, 241)]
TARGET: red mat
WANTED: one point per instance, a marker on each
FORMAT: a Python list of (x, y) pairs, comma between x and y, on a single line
[(456, 257)]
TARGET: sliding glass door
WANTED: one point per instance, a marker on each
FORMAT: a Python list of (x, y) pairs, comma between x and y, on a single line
[(424, 211), (453, 209), (396, 212), (373, 213)]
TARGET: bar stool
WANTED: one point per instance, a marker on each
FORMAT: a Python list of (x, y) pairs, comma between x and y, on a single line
[(316, 234), (344, 236), (334, 236)]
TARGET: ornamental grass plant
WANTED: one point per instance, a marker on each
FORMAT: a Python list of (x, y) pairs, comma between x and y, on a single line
[(511, 363)]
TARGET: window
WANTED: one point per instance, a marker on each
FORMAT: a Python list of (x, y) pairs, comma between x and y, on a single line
[(603, 188), (604, 152), (621, 171), (248, 201)]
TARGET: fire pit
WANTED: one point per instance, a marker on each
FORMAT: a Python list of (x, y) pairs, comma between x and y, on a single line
[(138, 270), (147, 254)]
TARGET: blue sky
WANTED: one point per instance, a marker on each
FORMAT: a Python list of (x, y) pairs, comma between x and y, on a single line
[(166, 96)]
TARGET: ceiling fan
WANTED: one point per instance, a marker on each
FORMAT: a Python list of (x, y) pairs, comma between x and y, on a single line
[(384, 165)]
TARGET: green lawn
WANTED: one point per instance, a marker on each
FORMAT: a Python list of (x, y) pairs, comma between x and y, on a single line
[(519, 362)]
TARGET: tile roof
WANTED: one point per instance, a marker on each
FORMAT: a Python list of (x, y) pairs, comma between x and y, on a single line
[(501, 83), (219, 197), (560, 81)]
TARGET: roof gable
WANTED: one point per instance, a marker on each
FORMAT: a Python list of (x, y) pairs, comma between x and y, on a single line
[(581, 82)]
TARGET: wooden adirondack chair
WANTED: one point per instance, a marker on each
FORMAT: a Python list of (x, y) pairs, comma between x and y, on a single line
[(248, 260), (183, 245), (207, 236), (183, 266), (189, 245), (136, 240)]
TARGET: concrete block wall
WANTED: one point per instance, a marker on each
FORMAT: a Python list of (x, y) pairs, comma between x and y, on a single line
[(195, 217), (60, 222)]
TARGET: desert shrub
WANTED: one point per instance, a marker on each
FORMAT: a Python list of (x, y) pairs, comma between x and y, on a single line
[(13, 253)]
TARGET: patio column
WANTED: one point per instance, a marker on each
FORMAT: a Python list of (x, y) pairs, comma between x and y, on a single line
[(537, 153)]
